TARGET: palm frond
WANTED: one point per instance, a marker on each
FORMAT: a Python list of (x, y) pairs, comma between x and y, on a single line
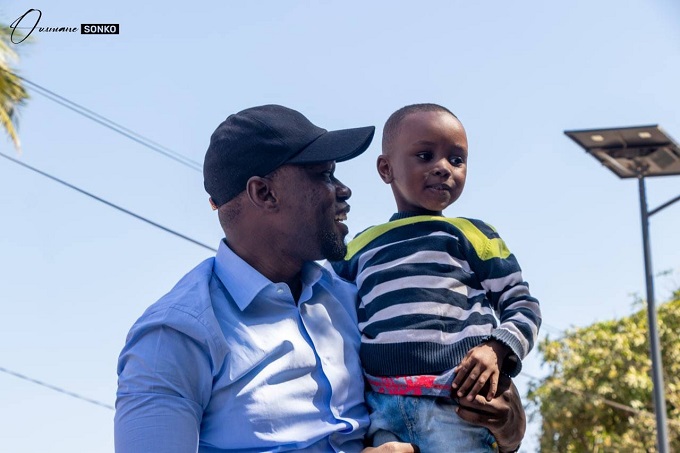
[(12, 92)]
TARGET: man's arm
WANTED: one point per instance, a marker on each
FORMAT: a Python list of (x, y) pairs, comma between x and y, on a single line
[(504, 415), (163, 378)]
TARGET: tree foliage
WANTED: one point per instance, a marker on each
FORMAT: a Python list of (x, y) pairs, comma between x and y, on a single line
[(598, 395), (12, 92)]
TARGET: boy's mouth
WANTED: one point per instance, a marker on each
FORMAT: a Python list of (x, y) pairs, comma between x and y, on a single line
[(439, 187)]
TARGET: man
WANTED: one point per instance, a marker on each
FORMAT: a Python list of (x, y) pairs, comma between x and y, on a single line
[(256, 349)]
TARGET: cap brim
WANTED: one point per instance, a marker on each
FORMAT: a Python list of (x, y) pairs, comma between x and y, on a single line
[(339, 146)]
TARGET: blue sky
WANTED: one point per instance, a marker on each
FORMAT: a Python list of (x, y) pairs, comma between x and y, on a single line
[(75, 274)]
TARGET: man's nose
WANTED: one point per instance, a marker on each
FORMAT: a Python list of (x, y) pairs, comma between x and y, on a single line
[(342, 191)]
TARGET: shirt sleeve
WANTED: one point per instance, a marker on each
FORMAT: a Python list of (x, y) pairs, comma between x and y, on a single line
[(164, 385)]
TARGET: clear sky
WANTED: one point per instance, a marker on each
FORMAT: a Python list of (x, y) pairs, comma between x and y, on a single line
[(75, 274)]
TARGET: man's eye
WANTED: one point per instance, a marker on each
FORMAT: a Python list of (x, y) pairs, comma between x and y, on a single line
[(457, 161)]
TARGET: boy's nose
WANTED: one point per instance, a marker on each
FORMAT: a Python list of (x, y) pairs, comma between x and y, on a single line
[(441, 168)]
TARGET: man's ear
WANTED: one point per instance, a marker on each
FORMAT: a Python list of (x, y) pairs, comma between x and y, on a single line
[(384, 169), (260, 193)]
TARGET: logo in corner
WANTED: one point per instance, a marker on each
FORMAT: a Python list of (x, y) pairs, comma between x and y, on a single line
[(14, 25), (99, 29), (31, 18)]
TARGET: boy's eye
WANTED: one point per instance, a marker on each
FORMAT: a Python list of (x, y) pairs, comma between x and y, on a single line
[(425, 155), (457, 161)]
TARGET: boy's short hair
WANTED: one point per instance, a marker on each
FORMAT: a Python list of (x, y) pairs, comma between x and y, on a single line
[(392, 124)]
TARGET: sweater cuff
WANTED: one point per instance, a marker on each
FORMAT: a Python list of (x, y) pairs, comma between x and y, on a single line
[(512, 364)]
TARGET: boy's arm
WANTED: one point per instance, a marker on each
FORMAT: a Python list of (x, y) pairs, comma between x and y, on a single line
[(519, 312)]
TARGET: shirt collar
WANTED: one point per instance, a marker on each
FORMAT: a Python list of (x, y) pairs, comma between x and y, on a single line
[(245, 283)]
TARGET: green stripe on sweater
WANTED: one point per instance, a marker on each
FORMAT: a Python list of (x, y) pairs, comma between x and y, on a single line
[(484, 247)]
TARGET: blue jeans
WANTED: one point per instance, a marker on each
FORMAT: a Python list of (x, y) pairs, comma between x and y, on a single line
[(431, 423)]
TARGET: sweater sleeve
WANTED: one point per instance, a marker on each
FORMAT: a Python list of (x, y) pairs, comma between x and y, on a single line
[(501, 278)]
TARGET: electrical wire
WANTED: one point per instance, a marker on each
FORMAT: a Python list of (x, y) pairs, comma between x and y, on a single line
[(94, 116), (55, 388), (108, 203), (578, 393)]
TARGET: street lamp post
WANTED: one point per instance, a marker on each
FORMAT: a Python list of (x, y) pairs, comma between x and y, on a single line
[(639, 152)]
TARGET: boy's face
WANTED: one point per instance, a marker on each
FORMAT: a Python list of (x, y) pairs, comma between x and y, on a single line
[(426, 162)]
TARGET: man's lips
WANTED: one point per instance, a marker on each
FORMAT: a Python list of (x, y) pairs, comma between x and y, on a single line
[(341, 215)]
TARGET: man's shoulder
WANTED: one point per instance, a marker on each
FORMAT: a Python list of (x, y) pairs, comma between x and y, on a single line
[(188, 301)]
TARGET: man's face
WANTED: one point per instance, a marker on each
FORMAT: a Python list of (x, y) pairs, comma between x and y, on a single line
[(426, 163), (314, 206)]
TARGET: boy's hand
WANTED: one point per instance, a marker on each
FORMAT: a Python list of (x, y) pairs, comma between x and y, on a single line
[(482, 364)]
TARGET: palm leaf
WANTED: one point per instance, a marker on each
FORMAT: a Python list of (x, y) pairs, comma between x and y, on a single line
[(12, 92)]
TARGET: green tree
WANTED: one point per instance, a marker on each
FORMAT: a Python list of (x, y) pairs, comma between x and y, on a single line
[(598, 395), (12, 92)]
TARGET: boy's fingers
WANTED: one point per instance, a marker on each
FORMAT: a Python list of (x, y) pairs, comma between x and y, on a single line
[(479, 384), (461, 373), (460, 377), (493, 387), (470, 381)]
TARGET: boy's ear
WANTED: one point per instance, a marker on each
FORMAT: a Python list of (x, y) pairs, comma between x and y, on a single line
[(384, 169), (260, 192)]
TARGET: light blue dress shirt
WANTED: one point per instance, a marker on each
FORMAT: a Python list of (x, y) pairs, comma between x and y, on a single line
[(228, 362)]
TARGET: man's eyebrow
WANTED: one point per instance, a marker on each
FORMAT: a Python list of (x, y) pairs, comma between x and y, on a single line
[(318, 165)]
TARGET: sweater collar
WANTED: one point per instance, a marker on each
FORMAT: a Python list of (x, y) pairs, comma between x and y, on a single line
[(404, 215)]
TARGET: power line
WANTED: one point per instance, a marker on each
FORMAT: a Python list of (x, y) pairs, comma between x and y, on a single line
[(583, 395), (108, 203), (94, 116), (56, 389)]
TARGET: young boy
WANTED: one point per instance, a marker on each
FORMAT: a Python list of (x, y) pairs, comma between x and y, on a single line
[(430, 289)]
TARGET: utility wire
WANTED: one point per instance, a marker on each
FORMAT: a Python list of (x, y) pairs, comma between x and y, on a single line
[(578, 393), (94, 116), (56, 389), (108, 203)]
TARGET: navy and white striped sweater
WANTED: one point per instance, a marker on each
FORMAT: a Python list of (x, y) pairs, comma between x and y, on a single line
[(430, 289)]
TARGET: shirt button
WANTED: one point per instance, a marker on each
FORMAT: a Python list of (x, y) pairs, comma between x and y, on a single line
[(280, 290)]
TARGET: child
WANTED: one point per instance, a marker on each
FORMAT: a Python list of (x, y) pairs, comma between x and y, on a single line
[(430, 288)]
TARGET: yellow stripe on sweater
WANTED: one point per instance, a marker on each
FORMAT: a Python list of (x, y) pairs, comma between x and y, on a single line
[(484, 247)]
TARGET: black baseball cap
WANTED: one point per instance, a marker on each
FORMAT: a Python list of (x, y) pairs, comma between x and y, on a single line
[(258, 140)]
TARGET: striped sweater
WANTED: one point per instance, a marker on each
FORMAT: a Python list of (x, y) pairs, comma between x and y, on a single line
[(430, 289)]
